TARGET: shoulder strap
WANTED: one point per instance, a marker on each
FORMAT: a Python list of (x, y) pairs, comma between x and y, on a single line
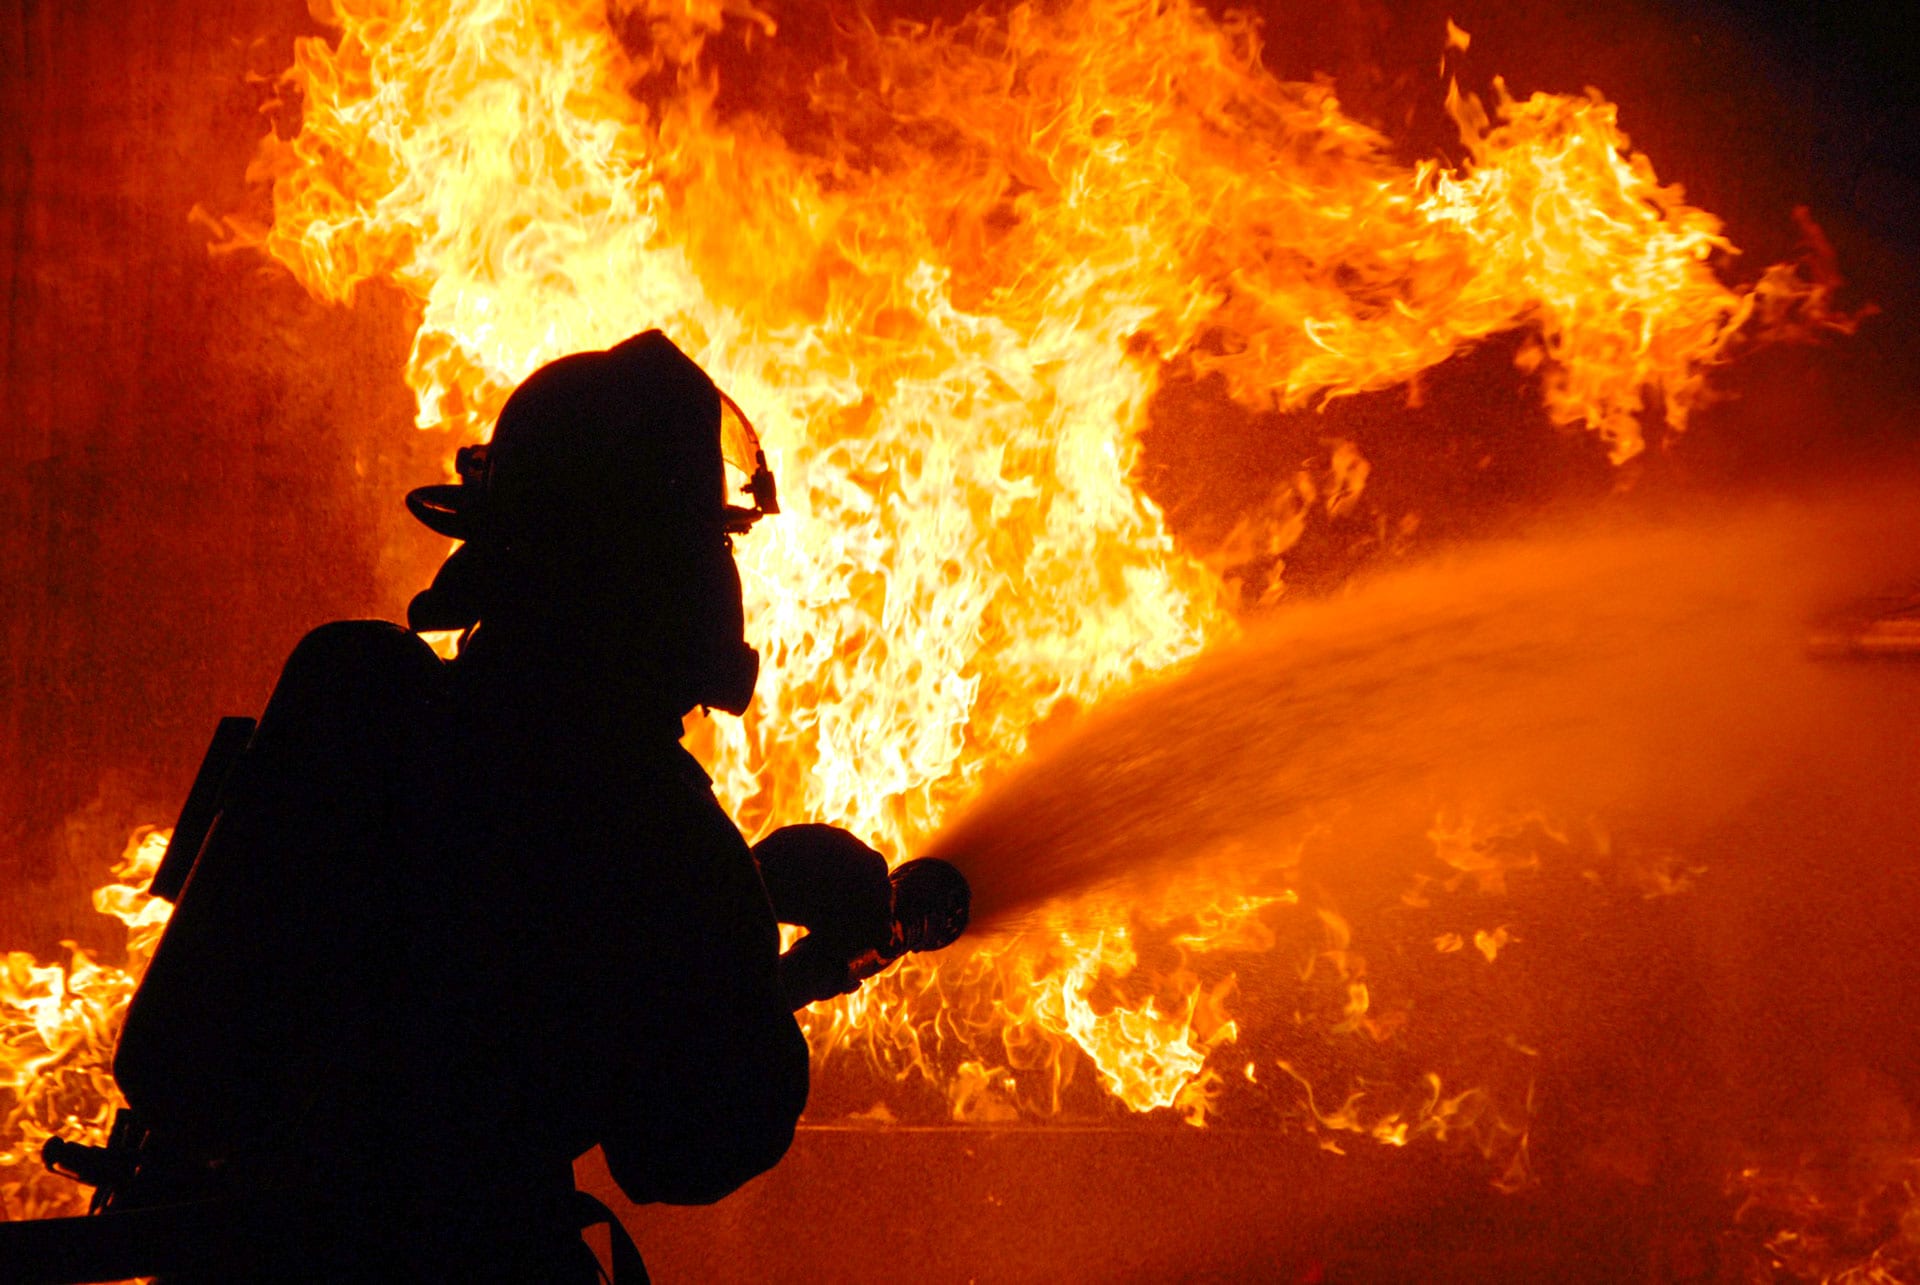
[(628, 1269)]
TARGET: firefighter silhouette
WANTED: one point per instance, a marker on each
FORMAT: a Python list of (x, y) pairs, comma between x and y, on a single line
[(455, 923)]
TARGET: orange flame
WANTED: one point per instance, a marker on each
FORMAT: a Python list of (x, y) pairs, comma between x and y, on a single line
[(948, 309), (58, 1025), (946, 292)]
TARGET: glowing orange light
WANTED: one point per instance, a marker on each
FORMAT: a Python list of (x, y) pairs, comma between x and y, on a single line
[(947, 308)]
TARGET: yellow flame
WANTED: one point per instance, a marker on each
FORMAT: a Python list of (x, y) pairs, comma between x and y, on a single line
[(947, 300), (946, 277), (58, 1025)]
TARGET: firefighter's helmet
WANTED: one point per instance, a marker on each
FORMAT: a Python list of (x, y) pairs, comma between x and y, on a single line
[(604, 490)]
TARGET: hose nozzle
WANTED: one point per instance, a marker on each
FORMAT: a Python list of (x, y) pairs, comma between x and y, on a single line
[(931, 901)]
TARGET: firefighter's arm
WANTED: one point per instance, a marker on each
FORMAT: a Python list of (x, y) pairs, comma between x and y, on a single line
[(859, 916), (719, 1065), (727, 1117), (821, 878)]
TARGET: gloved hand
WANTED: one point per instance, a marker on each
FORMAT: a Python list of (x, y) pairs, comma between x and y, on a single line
[(828, 882), (818, 968)]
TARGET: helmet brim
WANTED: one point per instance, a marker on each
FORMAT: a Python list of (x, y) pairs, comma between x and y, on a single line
[(443, 508)]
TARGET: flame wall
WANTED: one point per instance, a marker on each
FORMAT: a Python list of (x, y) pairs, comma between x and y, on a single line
[(199, 460)]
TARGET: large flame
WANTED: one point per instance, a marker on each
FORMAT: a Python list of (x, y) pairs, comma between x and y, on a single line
[(945, 282), (58, 1024)]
